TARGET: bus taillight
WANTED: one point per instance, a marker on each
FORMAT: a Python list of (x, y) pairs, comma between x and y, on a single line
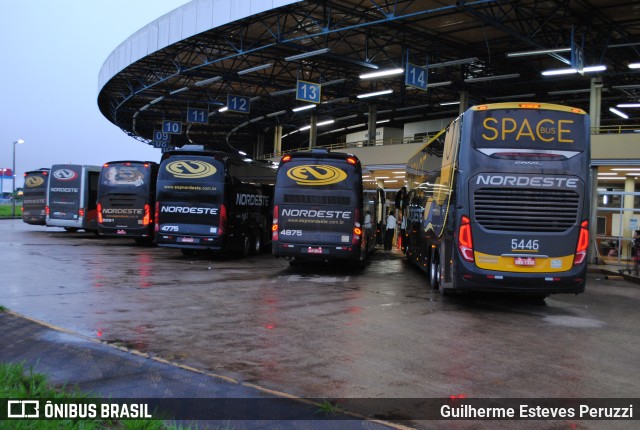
[(147, 215), (274, 227), (80, 212), (223, 220), (156, 217), (465, 241), (46, 210), (583, 243), (99, 208), (357, 231)]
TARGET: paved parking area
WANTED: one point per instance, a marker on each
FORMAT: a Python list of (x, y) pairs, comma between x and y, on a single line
[(325, 332)]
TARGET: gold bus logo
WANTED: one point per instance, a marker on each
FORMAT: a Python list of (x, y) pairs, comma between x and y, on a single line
[(316, 174), (33, 181), (190, 169)]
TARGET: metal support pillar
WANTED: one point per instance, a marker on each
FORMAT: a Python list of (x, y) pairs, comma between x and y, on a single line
[(373, 114)]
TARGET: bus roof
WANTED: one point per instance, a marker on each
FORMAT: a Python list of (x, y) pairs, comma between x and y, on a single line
[(321, 153), (527, 105)]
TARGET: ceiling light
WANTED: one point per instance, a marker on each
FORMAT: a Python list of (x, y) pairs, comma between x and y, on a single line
[(599, 68), (179, 90), (272, 114), (305, 107), (439, 84), (449, 103), (628, 105), (383, 121), (223, 109), (634, 66), (307, 54), (625, 169), (327, 122), (453, 63), (381, 73), (334, 82), (208, 81), (281, 92), (537, 52), (374, 94), (255, 69), (619, 113), (158, 100), (493, 78)]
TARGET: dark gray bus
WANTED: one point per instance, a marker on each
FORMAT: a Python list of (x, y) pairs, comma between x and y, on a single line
[(126, 200), (325, 208), (71, 197), (501, 203), (209, 200), (34, 199)]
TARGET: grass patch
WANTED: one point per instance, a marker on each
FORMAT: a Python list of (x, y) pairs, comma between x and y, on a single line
[(3, 309), (327, 408), (6, 210), (18, 383)]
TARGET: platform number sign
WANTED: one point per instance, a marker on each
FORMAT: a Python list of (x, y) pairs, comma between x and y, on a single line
[(197, 115), (416, 77), (173, 127), (161, 136), (238, 104), (308, 92)]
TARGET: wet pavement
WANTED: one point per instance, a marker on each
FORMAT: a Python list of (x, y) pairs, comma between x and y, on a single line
[(324, 331)]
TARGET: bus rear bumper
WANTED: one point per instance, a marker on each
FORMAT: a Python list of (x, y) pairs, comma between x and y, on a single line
[(213, 243), (572, 281), (312, 252), (125, 232)]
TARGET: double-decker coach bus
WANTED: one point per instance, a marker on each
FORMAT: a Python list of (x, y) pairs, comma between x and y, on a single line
[(34, 199), (323, 209), (71, 197), (502, 202), (208, 200), (126, 199)]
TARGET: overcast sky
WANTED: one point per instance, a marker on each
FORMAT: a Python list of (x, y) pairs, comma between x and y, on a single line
[(51, 54)]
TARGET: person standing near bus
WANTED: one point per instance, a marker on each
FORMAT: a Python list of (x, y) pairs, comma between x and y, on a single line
[(390, 231)]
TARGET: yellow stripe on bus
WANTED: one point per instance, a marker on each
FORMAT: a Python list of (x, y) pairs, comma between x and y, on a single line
[(507, 264)]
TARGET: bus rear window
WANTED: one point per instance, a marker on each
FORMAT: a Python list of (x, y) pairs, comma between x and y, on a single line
[(125, 177)]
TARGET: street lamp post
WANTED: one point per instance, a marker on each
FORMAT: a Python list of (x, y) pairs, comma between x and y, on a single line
[(13, 194)]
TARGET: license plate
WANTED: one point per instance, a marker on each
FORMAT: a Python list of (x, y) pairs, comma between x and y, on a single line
[(525, 261), (314, 250), (187, 240)]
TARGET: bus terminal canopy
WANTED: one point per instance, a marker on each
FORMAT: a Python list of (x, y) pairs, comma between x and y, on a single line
[(214, 70)]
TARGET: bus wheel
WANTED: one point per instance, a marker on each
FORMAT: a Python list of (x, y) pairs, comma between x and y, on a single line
[(246, 246), (434, 271), (257, 244)]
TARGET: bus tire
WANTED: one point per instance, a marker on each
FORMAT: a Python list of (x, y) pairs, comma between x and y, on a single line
[(434, 271), (256, 244), (245, 246)]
